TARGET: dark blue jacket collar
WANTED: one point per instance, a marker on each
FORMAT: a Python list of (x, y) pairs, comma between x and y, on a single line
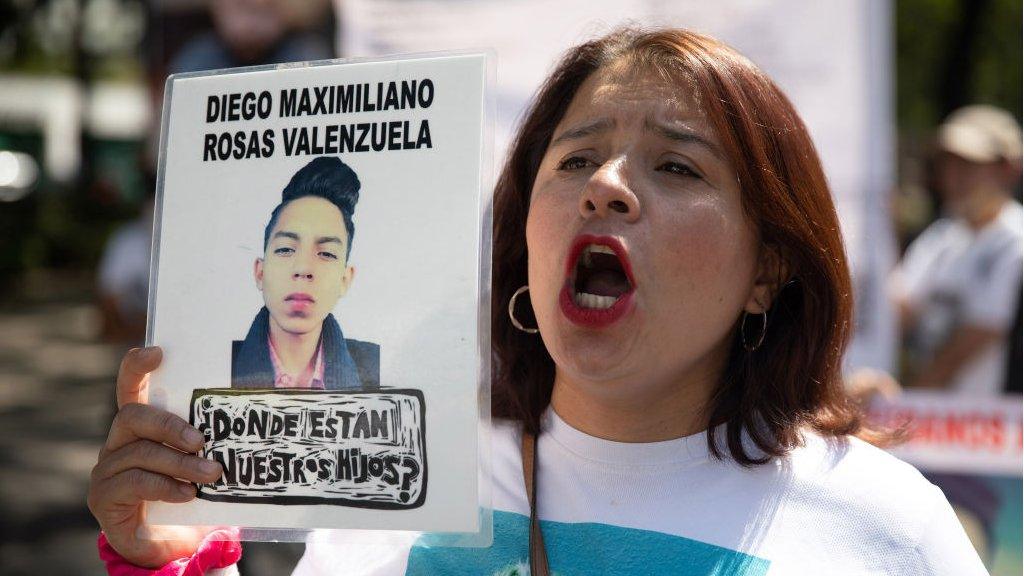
[(252, 367)]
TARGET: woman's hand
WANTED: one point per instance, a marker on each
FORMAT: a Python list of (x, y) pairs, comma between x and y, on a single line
[(149, 455), (866, 384)]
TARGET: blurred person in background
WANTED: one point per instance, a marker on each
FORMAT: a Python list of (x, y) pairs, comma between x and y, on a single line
[(123, 278), (251, 32), (958, 287)]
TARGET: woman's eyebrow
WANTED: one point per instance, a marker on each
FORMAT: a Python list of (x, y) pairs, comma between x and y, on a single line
[(596, 127), (683, 136)]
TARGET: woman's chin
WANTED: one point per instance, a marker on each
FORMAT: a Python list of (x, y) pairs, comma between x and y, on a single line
[(595, 356), (595, 352)]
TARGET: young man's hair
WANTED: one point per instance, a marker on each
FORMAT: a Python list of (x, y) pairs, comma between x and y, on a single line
[(325, 177)]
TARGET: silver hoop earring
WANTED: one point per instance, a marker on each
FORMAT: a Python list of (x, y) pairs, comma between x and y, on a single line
[(512, 311), (760, 338)]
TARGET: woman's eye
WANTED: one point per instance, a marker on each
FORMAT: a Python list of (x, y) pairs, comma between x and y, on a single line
[(284, 251), (678, 168), (573, 163), (328, 255)]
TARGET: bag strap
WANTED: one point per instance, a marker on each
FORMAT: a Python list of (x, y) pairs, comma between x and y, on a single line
[(538, 554)]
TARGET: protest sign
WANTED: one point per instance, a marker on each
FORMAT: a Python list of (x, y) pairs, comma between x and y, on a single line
[(319, 268), (955, 433), (301, 447), (971, 448)]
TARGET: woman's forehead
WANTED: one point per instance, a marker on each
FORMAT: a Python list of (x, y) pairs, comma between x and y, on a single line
[(625, 92)]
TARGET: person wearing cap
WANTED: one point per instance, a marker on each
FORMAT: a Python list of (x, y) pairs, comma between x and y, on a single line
[(959, 282)]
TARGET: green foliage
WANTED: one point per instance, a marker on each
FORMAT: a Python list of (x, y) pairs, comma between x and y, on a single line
[(920, 50), (927, 34), (997, 75)]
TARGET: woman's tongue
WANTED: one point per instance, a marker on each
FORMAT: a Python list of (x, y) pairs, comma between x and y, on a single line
[(605, 283)]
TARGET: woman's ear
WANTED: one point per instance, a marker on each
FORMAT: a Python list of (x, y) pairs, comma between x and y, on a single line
[(773, 272)]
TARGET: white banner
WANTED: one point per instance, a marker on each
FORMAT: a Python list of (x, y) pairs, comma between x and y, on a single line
[(955, 433)]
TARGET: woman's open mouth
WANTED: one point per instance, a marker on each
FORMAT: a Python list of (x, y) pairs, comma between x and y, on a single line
[(599, 283)]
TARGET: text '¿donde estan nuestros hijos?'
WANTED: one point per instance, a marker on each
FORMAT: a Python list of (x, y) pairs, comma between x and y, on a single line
[(333, 138)]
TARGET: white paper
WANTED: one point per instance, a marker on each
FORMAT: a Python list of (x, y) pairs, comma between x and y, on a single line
[(415, 292)]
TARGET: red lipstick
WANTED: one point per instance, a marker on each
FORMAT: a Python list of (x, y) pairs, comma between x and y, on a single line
[(590, 317)]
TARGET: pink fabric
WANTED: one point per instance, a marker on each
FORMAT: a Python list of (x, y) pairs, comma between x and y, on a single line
[(285, 380), (220, 549)]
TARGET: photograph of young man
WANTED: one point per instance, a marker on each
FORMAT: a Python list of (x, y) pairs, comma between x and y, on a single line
[(295, 341)]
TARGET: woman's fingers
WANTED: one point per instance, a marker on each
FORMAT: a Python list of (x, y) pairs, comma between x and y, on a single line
[(154, 457), (147, 457), (141, 422), (132, 375), (132, 487)]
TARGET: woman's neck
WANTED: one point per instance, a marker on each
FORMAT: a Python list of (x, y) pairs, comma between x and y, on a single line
[(294, 351), (623, 412)]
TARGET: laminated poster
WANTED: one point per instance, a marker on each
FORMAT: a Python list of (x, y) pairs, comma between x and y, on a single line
[(319, 293)]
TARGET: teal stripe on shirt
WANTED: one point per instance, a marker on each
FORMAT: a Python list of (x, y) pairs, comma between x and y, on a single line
[(585, 548)]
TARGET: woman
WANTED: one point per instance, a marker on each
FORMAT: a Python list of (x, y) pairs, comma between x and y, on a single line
[(665, 221)]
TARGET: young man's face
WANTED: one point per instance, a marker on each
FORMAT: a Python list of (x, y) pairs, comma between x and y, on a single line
[(304, 270)]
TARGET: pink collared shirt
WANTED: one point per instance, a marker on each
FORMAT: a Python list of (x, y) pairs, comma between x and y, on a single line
[(312, 377)]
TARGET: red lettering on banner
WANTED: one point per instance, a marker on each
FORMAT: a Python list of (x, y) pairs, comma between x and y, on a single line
[(972, 430), (955, 434)]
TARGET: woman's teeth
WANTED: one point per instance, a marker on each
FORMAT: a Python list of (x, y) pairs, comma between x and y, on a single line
[(585, 300), (595, 248)]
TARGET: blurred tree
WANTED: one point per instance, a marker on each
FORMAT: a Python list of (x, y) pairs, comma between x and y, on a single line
[(950, 53), (63, 224)]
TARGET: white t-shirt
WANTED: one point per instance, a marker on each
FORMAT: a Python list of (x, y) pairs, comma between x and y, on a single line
[(954, 276), (669, 507)]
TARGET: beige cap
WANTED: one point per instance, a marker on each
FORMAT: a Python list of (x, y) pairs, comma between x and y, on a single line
[(981, 133)]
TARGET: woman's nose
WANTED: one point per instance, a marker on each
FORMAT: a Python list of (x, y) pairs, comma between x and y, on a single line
[(608, 193)]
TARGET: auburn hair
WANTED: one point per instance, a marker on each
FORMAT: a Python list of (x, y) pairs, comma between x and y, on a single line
[(793, 379)]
